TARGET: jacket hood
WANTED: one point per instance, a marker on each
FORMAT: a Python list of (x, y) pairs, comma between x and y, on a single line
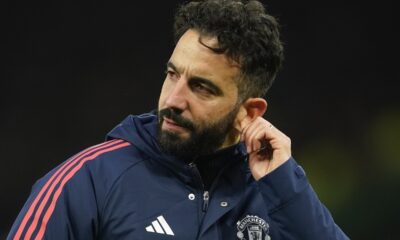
[(141, 131)]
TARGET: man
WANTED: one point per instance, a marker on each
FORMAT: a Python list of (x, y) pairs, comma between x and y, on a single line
[(205, 165)]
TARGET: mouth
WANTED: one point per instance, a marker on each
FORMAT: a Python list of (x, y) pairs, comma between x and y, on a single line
[(171, 125)]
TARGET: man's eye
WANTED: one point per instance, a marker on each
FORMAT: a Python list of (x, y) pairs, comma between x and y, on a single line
[(201, 88), (171, 74)]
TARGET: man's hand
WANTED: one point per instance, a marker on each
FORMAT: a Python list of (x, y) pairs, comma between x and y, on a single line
[(268, 148)]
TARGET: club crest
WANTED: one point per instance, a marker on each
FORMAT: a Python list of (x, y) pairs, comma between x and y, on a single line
[(253, 228)]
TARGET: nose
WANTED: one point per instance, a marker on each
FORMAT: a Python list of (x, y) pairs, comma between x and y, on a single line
[(177, 98)]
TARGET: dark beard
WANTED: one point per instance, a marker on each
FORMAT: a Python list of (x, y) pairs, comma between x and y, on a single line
[(202, 140)]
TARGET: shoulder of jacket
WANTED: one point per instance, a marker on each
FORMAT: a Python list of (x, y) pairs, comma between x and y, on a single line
[(98, 166), (111, 159)]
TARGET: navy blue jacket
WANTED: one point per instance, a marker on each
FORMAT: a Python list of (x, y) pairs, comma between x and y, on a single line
[(127, 188)]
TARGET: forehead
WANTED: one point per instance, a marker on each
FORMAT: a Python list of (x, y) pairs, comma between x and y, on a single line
[(193, 56)]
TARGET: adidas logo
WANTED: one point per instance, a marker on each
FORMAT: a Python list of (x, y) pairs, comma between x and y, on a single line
[(160, 226)]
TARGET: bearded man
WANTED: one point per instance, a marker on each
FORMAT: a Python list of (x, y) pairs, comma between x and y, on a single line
[(204, 165)]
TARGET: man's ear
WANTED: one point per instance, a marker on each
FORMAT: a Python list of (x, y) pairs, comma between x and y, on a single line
[(250, 110)]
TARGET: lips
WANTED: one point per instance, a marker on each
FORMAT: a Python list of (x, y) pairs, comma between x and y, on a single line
[(170, 121), (170, 124)]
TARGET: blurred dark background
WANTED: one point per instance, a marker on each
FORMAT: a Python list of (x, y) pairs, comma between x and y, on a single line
[(75, 69)]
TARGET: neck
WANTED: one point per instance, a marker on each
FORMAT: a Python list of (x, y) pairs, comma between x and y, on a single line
[(210, 166), (231, 139)]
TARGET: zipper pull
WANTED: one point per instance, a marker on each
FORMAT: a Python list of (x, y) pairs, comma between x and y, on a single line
[(206, 198)]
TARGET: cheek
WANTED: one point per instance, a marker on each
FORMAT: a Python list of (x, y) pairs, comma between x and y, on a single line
[(211, 113), (163, 94)]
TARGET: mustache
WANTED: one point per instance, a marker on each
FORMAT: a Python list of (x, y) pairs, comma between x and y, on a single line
[(177, 118)]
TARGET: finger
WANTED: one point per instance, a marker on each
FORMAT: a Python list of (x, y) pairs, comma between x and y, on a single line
[(244, 131), (271, 132), (260, 126), (249, 134), (265, 149), (255, 137)]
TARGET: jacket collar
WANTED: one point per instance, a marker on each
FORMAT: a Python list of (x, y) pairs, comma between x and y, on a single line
[(141, 131)]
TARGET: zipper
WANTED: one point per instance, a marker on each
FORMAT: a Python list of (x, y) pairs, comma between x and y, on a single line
[(206, 194), (197, 175), (206, 198)]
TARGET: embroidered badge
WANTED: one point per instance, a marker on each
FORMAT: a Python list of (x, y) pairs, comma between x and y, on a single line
[(253, 228)]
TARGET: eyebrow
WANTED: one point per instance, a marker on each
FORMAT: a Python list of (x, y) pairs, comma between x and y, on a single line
[(201, 80), (171, 65)]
